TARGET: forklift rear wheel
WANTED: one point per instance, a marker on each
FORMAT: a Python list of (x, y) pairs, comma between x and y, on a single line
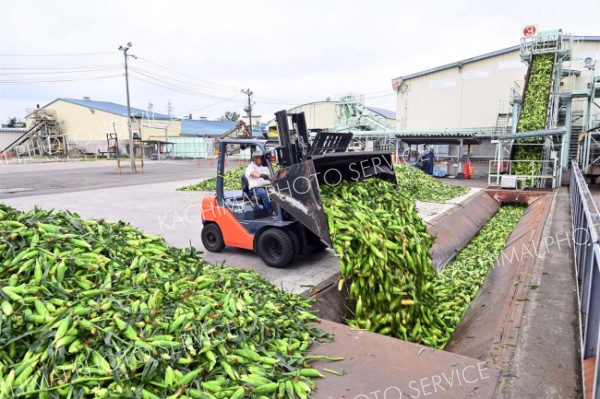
[(212, 238), (276, 248), (296, 242)]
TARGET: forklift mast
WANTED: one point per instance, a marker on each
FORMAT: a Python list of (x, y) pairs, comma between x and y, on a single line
[(293, 151), (304, 167)]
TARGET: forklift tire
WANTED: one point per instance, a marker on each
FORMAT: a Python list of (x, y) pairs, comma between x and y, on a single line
[(212, 238), (296, 242), (276, 247)]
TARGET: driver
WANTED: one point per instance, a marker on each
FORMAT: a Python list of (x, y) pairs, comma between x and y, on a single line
[(258, 179)]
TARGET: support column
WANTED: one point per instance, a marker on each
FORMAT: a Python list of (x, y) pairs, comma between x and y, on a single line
[(460, 174), (516, 111), (566, 143)]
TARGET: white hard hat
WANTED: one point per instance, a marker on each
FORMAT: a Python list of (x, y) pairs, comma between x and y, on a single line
[(257, 153)]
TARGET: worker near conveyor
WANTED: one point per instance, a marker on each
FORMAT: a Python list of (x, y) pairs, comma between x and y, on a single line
[(429, 164), (258, 179)]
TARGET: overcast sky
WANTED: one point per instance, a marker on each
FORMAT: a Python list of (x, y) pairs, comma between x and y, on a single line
[(199, 54)]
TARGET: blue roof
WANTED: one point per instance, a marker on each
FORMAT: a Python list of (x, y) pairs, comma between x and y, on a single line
[(13, 129), (204, 127), (116, 109), (386, 113)]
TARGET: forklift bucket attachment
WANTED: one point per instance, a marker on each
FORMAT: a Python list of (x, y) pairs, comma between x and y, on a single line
[(296, 188), (332, 168)]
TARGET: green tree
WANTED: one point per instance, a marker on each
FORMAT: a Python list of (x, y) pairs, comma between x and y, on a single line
[(12, 122), (231, 116)]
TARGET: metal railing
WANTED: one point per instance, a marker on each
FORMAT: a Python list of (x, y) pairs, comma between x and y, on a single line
[(542, 173), (586, 220)]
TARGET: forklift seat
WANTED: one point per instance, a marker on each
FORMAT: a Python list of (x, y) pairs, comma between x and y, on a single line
[(246, 192)]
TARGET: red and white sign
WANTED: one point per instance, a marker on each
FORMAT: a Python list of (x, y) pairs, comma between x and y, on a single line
[(530, 31)]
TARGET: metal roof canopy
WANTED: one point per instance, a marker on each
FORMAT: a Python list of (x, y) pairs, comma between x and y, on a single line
[(536, 133), (155, 141), (440, 138)]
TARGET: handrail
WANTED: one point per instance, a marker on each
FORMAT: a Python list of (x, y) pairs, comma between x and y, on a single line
[(586, 232), (541, 172)]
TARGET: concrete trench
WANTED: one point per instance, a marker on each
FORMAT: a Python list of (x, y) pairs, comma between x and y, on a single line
[(483, 344)]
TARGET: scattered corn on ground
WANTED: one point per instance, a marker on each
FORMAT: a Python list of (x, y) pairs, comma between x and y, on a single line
[(232, 180), (411, 181), (419, 185)]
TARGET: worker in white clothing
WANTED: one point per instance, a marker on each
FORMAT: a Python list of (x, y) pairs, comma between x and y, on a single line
[(258, 179)]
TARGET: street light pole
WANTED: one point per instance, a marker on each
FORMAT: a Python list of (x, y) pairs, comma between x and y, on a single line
[(248, 108), (124, 49)]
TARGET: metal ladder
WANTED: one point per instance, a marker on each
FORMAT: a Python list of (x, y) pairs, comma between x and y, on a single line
[(503, 121)]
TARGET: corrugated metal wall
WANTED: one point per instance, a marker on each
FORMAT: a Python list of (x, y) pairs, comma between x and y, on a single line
[(472, 96), (467, 97)]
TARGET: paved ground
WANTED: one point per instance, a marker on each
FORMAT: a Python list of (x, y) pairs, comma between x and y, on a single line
[(547, 360), (62, 177), (149, 201)]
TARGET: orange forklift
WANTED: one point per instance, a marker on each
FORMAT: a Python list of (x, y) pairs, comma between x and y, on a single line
[(238, 219)]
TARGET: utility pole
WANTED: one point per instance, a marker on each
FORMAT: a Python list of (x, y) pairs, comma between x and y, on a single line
[(248, 108), (124, 49)]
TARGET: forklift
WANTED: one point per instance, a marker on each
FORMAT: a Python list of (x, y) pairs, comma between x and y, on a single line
[(238, 219)]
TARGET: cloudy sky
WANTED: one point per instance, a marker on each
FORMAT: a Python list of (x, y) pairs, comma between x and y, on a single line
[(199, 54)]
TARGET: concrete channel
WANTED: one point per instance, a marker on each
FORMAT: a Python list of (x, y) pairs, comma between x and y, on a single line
[(487, 347)]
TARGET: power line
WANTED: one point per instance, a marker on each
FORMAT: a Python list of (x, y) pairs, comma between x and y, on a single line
[(58, 80), (175, 86), (219, 86), (57, 55), (381, 96), (53, 68), (156, 75), (189, 76), (377, 92), (57, 72), (213, 104)]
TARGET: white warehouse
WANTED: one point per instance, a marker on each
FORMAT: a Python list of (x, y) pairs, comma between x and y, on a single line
[(475, 95)]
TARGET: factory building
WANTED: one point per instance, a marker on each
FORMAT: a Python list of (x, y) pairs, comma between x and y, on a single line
[(475, 95), (323, 115), (89, 125)]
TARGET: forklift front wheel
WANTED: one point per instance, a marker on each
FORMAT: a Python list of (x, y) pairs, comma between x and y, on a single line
[(276, 247), (212, 238)]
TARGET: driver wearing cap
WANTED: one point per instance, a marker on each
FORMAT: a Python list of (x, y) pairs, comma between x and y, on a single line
[(258, 178)]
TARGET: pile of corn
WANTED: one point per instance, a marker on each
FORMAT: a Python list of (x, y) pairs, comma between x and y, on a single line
[(533, 116), (419, 185), (90, 308), (413, 182), (458, 283), (232, 180), (383, 248)]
